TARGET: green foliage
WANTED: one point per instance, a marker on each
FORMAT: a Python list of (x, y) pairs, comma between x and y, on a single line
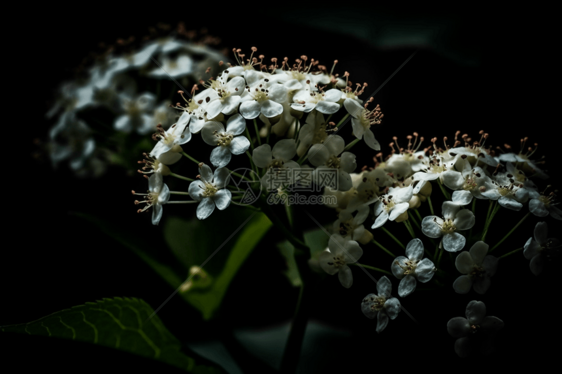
[(125, 324)]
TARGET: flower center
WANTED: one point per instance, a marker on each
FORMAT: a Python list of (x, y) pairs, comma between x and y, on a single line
[(377, 303), (477, 271), (221, 89), (297, 75), (210, 190), (346, 228), (276, 164), (333, 162), (545, 200), (133, 109), (409, 266), (338, 261), (260, 96), (448, 226), (315, 98), (223, 138)]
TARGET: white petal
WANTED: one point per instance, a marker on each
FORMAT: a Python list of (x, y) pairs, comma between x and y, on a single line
[(353, 108), (208, 132), (358, 129), (230, 104), (353, 252), (318, 154), (384, 287), (531, 248), (370, 140), (195, 189), (214, 109), (397, 271), (422, 176), (407, 285), (327, 107), (222, 199), (475, 312), (220, 156), (398, 210), (464, 262), (458, 327), (452, 179), (414, 249), (381, 220), (464, 220), (157, 211), (205, 208), (250, 109), (382, 321), (262, 155), (206, 173), (511, 204), (236, 125), (285, 149), (344, 181), (541, 232), (392, 307), (123, 124), (221, 177), (239, 145), (536, 264), (482, 284), (334, 144), (270, 108), (538, 208), (326, 263), (278, 94), (347, 162), (462, 284), (424, 270), (430, 226), (333, 95), (478, 251), (462, 197), (449, 209), (453, 242), (345, 276)]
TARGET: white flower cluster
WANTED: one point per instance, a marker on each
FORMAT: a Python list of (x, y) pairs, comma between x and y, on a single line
[(108, 92)]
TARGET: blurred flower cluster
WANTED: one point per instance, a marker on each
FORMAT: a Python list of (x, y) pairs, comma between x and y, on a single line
[(119, 95)]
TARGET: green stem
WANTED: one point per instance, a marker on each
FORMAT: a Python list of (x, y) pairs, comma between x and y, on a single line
[(415, 221), (409, 228), (258, 133), (445, 193), (254, 167), (418, 214), (509, 233), (348, 147), (179, 193), (181, 177), (342, 120), (241, 176), (372, 268), (507, 254), (393, 237), (250, 138), (430, 205), (191, 158), (489, 222), (383, 248), (473, 210)]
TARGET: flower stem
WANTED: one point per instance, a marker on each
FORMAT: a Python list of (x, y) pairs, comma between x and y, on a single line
[(342, 121), (348, 147), (445, 193), (250, 138), (507, 254), (241, 176), (258, 133), (415, 221), (254, 167), (430, 206), (418, 214), (509, 233), (383, 248), (473, 210), (409, 228), (183, 202), (182, 177), (179, 193), (191, 158), (489, 221), (372, 268), (393, 237)]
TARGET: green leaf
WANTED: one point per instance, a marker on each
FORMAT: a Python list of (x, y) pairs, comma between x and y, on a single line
[(118, 323), (196, 242), (316, 240)]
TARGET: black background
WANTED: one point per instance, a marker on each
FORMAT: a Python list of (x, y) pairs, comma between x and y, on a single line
[(53, 261)]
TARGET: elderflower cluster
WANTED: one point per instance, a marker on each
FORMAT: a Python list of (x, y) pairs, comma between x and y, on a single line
[(103, 116), (269, 119)]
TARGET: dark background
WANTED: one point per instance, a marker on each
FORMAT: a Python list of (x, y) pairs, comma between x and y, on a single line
[(481, 71)]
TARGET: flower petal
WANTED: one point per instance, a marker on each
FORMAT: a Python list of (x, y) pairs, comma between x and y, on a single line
[(382, 321), (458, 327), (326, 263), (541, 232), (397, 271), (398, 210), (366, 306), (285, 149), (490, 265), (334, 144), (327, 107), (239, 145), (347, 162), (381, 220), (407, 285), (531, 248), (475, 312), (511, 204), (464, 262), (384, 287), (462, 284), (220, 156), (491, 324), (481, 284), (370, 140), (345, 276), (414, 249), (478, 251), (536, 264), (464, 219), (430, 226), (221, 177), (453, 242), (392, 307), (462, 197), (205, 208), (250, 109), (222, 199), (270, 108), (208, 132), (318, 154), (262, 155), (424, 270), (236, 125)]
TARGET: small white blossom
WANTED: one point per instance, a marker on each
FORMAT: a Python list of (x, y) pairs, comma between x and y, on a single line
[(228, 97), (475, 332), (412, 267), (324, 102), (542, 205), (362, 120), (210, 191), (477, 269), (280, 167), (509, 193), (138, 114), (352, 227), (541, 248), (454, 218), (468, 183), (158, 194), (227, 141), (391, 205), (168, 148), (325, 157), (263, 98), (341, 252), (382, 305), (312, 132)]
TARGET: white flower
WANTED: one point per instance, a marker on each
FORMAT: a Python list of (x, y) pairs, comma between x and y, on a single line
[(278, 163), (174, 68), (210, 191), (158, 194), (412, 267), (312, 132), (382, 305), (227, 142), (263, 98), (542, 205), (453, 219), (228, 97), (475, 152), (468, 183), (392, 205), (362, 120), (509, 193), (168, 148), (469, 329), (325, 157), (324, 102), (138, 114), (476, 267), (341, 252), (436, 170), (541, 248), (367, 193), (352, 227)]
